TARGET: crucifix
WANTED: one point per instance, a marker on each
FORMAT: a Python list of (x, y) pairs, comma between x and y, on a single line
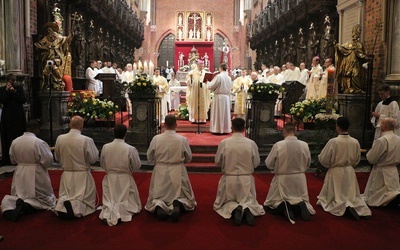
[(195, 18)]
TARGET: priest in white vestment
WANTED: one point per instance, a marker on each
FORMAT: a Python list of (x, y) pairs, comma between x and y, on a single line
[(388, 107), (120, 194), (238, 157), (75, 152), (303, 74), (170, 191), (162, 92), (128, 75), (323, 87), (197, 95), (240, 87), (383, 187), (340, 192), (92, 83), (277, 78), (289, 159), (221, 85), (31, 186), (292, 73), (314, 80), (175, 95)]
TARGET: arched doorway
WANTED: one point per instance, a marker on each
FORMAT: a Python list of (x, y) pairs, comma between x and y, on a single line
[(218, 44), (166, 51)]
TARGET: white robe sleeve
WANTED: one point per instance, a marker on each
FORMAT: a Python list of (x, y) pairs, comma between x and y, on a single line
[(378, 149), (134, 160), (219, 156), (44, 155), (327, 155), (92, 153), (187, 151), (256, 155), (151, 150), (270, 162)]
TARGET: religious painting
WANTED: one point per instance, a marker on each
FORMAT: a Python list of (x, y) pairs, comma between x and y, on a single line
[(194, 25)]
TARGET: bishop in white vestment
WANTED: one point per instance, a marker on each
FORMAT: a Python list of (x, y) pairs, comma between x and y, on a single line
[(120, 194), (221, 85), (238, 157), (289, 159), (383, 185), (340, 192), (162, 92), (31, 185), (170, 191), (314, 80), (75, 152), (197, 95)]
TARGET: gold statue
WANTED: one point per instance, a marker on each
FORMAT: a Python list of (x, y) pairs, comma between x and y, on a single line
[(349, 59), (54, 46)]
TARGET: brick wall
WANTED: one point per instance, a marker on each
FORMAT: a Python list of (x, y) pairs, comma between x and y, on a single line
[(373, 16), (223, 11)]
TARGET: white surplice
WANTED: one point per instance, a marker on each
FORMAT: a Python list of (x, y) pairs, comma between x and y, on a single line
[(197, 96), (92, 83), (314, 83), (383, 182), (162, 92), (289, 159), (169, 180), (174, 96), (31, 181), (220, 121), (76, 152), (387, 108), (237, 156), (120, 194), (340, 190)]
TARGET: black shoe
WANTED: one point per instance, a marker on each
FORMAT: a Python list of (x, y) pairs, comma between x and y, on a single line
[(13, 214), (249, 217), (237, 215), (304, 213), (161, 215), (353, 213), (28, 209), (104, 222), (70, 212), (176, 211)]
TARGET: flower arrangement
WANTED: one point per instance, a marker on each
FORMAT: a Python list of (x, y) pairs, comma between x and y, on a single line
[(265, 91), (141, 86), (183, 112), (325, 121), (90, 108), (305, 111)]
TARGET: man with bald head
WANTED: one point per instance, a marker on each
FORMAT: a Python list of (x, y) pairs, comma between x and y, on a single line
[(75, 152), (383, 187)]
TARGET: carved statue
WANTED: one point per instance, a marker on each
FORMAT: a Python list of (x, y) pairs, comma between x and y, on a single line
[(301, 47), (277, 54), (53, 46), (349, 59), (90, 40), (2, 62), (99, 44), (292, 49), (328, 40), (284, 55), (313, 42), (78, 43)]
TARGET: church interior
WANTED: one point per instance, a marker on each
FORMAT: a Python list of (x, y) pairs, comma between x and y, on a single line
[(134, 62)]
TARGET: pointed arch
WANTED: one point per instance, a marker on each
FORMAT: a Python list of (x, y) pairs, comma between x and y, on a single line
[(166, 49)]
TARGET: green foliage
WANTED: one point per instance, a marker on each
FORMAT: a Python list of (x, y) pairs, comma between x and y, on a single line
[(141, 86), (265, 91)]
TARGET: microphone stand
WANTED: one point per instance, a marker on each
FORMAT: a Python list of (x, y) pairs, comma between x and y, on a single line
[(50, 104), (198, 107)]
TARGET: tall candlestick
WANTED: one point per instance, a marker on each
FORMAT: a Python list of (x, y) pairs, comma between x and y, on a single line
[(167, 63), (134, 68), (140, 66), (330, 91)]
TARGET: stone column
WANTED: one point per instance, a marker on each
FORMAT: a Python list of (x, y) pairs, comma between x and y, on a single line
[(14, 35), (2, 31)]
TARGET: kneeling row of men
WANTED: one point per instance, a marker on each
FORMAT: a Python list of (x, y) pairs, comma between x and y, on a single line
[(170, 191)]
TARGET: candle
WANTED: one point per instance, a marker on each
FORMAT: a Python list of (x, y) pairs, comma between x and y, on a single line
[(140, 65), (146, 67), (134, 68), (167, 63), (151, 68), (330, 91)]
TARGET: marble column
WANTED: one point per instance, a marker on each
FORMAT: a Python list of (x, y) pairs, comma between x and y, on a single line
[(14, 35)]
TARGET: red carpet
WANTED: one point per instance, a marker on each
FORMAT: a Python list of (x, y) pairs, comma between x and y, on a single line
[(203, 228)]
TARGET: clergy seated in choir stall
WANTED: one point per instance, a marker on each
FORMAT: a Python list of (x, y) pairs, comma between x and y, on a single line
[(289, 159), (31, 188), (314, 80), (340, 193), (197, 94), (75, 152), (170, 191), (162, 92), (238, 157), (240, 87), (92, 83), (383, 187), (221, 85), (120, 194), (277, 78), (388, 107)]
